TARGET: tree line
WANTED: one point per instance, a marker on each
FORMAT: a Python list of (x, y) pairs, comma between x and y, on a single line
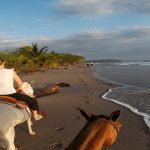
[(32, 58)]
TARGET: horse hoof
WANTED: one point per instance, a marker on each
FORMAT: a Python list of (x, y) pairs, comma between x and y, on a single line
[(33, 133)]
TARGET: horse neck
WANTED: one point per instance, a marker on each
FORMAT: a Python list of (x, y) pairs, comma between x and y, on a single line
[(89, 138)]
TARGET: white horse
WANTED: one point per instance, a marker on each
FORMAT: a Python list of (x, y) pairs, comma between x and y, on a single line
[(10, 116)]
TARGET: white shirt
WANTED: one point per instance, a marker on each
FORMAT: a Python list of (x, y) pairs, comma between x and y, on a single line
[(6, 82)]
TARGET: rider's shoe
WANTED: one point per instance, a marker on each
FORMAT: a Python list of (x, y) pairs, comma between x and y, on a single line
[(38, 117)]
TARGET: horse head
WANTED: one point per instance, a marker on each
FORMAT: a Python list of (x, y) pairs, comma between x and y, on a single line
[(99, 131)]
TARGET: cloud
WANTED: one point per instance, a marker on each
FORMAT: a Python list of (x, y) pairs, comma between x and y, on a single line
[(74, 7), (12, 42), (122, 43), (101, 7), (126, 43)]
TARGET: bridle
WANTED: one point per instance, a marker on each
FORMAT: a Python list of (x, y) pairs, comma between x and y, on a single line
[(114, 124)]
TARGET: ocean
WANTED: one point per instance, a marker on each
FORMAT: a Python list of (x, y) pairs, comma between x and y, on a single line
[(133, 80)]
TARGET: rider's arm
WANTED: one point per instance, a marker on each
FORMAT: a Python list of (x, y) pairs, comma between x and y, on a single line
[(17, 80)]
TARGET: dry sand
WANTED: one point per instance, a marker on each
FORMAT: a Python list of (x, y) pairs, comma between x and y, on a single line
[(64, 121)]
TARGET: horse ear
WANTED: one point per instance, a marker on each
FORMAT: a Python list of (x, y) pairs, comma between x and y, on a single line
[(114, 116), (87, 116)]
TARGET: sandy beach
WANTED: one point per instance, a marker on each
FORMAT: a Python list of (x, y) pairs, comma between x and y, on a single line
[(64, 121)]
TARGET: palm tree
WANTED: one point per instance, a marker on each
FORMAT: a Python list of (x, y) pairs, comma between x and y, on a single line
[(36, 52)]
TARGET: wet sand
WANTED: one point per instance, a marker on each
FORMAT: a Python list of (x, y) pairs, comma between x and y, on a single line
[(64, 121)]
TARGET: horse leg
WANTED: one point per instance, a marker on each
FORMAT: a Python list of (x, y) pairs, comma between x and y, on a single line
[(29, 123), (9, 139), (106, 148)]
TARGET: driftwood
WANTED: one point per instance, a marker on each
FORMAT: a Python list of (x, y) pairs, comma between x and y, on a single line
[(46, 91), (63, 84), (52, 89)]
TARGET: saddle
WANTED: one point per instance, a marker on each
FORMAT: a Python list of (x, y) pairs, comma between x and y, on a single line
[(13, 101), (18, 104)]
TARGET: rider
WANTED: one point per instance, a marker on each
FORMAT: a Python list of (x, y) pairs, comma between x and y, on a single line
[(7, 78)]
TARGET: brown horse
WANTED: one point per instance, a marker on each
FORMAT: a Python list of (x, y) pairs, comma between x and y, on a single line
[(99, 131)]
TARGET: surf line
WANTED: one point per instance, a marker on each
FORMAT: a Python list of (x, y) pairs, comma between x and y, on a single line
[(145, 116)]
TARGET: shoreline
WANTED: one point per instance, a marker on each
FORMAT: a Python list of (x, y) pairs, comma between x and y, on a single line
[(145, 116), (64, 121)]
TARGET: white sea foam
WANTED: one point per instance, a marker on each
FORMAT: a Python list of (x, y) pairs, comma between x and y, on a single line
[(141, 63), (144, 115)]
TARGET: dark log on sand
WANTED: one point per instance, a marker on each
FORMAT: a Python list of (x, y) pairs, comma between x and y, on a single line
[(46, 91), (62, 84)]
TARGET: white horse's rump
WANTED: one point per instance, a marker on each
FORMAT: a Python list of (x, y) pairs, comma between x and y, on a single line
[(10, 116)]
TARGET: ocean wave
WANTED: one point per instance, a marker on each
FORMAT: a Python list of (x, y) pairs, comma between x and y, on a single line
[(141, 63), (145, 116)]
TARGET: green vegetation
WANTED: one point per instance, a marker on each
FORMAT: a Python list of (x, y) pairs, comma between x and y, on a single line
[(31, 58)]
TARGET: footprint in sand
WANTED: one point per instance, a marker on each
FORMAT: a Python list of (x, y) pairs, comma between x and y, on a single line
[(91, 93), (76, 117), (60, 128), (56, 146), (85, 96), (87, 101)]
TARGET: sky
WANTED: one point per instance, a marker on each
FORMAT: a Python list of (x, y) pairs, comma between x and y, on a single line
[(95, 29)]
